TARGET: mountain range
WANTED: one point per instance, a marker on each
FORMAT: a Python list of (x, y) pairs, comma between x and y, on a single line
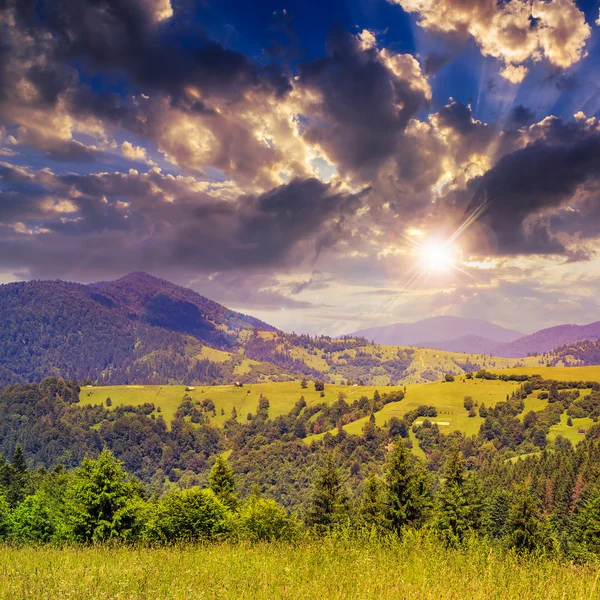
[(474, 336), (437, 330), (141, 329)]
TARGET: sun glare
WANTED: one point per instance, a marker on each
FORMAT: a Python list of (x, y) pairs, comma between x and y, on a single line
[(437, 257)]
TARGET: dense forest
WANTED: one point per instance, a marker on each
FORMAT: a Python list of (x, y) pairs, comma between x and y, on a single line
[(157, 480)]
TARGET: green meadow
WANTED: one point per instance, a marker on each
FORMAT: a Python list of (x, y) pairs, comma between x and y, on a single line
[(446, 397), (282, 396), (414, 567)]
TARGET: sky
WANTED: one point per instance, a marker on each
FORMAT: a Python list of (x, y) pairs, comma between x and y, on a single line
[(325, 166)]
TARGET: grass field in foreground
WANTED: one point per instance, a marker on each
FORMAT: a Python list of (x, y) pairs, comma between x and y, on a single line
[(414, 568), (282, 396)]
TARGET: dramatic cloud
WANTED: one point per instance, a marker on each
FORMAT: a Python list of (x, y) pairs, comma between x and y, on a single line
[(514, 32), (135, 135), (536, 197), (360, 101), (154, 221)]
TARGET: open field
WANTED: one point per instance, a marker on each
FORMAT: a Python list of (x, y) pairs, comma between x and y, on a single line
[(413, 568), (571, 433), (591, 373), (282, 396), (446, 397)]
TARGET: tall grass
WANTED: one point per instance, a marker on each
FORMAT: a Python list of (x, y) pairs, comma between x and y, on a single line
[(415, 567)]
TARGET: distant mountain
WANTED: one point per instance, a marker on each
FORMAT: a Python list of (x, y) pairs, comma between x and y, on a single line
[(437, 330), (548, 339), (139, 328), (469, 344)]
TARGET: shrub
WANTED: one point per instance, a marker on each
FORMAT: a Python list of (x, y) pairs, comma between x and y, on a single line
[(32, 522), (265, 520), (189, 515)]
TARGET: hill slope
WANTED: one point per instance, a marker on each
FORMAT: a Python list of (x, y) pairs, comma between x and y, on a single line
[(144, 330), (436, 330), (138, 328), (548, 339)]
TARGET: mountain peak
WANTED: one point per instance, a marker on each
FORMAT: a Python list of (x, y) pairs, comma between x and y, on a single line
[(441, 328)]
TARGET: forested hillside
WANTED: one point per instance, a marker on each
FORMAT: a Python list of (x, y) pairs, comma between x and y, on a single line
[(145, 330)]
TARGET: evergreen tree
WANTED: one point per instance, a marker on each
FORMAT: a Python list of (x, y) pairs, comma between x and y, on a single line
[(18, 462), (15, 477), (222, 482), (371, 506), (587, 523), (103, 502), (459, 507), (528, 530), (4, 518), (329, 498), (407, 497)]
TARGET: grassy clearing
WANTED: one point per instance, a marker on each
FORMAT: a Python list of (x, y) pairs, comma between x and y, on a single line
[(282, 396), (448, 398), (559, 373), (415, 568), (571, 433)]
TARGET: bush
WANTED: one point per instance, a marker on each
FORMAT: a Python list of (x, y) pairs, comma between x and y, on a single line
[(265, 520), (449, 378), (189, 515), (32, 522)]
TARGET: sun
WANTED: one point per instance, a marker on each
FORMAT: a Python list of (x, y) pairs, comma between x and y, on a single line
[(437, 257)]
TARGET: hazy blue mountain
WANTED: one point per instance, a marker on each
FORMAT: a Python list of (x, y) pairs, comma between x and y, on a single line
[(437, 330)]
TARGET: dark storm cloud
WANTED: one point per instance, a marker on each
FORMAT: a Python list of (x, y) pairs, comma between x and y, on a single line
[(151, 220), (164, 69), (522, 115), (126, 37), (363, 106), (526, 187)]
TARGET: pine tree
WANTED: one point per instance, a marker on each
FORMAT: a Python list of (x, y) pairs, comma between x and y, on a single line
[(371, 506), (407, 497), (459, 507), (222, 482), (587, 523), (528, 530), (102, 502), (18, 462), (15, 477), (329, 498)]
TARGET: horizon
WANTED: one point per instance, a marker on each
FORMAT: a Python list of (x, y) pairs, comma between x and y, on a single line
[(325, 168), (357, 332)]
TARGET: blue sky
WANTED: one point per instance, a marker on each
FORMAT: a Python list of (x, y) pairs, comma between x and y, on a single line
[(326, 166)]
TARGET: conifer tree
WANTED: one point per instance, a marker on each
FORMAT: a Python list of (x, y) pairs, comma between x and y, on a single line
[(459, 507), (103, 502), (371, 506), (222, 482), (329, 498), (587, 523), (528, 530), (407, 497)]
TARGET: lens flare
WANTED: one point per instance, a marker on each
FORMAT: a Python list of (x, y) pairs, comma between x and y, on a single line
[(436, 257)]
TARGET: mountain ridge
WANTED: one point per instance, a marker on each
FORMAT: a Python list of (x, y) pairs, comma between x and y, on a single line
[(438, 329)]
